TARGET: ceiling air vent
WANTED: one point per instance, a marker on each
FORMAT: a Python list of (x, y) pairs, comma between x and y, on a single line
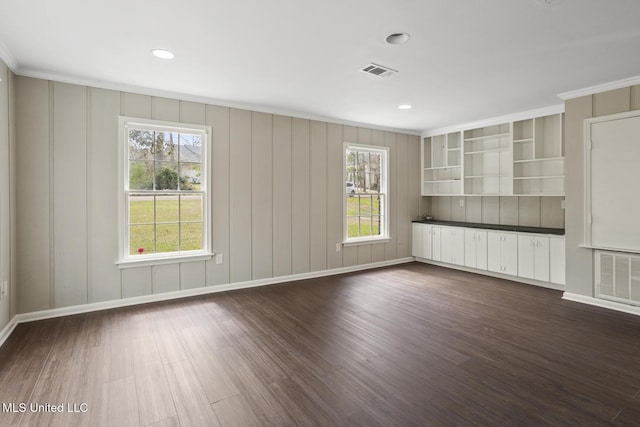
[(378, 70)]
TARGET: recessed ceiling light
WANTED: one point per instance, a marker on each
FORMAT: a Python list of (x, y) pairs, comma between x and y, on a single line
[(404, 107), (163, 54), (397, 38)]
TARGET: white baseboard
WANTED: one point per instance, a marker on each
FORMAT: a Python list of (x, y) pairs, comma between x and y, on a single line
[(611, 305), (6, 331), (547, 285), (86, 308)]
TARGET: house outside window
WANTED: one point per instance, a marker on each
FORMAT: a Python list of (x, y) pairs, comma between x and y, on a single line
[(366, 193), (164, 198)]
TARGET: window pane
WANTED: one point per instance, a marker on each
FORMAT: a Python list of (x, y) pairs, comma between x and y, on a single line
[(376, 205), (365, 205), (141, 238), (140, 145), (166, 176), (190, 176), (167, 208), (140, 175), (352, 226), (375, 226), (191, 237), (353, 206), (365, 226), (190, 148), (167, 237), (191, 207), (140, 209), (167, 146)]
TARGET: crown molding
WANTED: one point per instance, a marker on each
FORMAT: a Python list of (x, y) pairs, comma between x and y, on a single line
[(121, 87), (7, 57), (591, 90), (523, 115)]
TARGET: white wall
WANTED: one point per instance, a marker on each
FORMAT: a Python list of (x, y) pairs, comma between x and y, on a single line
[(276, 196), (6, 191), (579, 265)]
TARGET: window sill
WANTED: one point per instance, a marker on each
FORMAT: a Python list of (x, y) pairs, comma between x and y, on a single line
[(132, 263), (366, 241)]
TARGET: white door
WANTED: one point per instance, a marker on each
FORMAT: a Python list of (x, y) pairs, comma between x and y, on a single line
[(416, 243), (470, 248), (510, 254), (435, 243), (526, 249), (426, 241), (494, 252), (481, 250), (556, 260), (541, 259)]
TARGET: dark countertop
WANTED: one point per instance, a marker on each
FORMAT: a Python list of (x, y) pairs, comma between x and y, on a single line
[(500, 227)]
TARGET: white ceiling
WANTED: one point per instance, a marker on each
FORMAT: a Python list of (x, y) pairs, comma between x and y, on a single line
[(467, 60)]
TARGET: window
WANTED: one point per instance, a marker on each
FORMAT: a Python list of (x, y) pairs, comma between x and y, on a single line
[(365, 196), (164, 198)]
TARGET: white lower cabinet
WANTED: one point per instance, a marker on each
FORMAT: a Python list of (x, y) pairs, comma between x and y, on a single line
[(475, 248), (533, 257), (502, 253), (556, 260), (452, 245), (436, 239), (526, 255)]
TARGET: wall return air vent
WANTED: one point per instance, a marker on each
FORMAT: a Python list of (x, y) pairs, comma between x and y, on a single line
[(378, 70)]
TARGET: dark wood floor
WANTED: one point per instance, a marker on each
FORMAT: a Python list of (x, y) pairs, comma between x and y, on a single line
[(406, 345)]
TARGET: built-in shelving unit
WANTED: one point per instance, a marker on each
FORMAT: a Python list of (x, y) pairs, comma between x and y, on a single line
[(523, 158), (487, 160), (538, 156), (441, 165)]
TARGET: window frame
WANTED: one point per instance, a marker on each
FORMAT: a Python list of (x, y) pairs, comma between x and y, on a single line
[(125, 260), (384, 211)]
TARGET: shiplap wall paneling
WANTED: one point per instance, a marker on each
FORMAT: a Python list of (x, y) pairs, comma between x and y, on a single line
[(508, 210), (377, 250), (335, 194), (391, 247), (318, 196), (137, 281), (349, 253), (635, 98), (282, 196), (551, 212), (218, 118), (402, 189), (262, 191), (240, 195), (300, 198), (192, 274), (412, 183), (364, 251), (102, 148), (32, 199), (12, 191), (5, 189), (529, 211), (165, 109), (165, 278)]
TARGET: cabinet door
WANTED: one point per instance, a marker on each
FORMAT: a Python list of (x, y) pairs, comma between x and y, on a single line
[(426, 241), (541, 259), (494, 252), (457, 246), (510, 254), (526, 248), (435, 243), (556, 260), (446, 244), (470, 248), (416, 242), (481, 250)]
